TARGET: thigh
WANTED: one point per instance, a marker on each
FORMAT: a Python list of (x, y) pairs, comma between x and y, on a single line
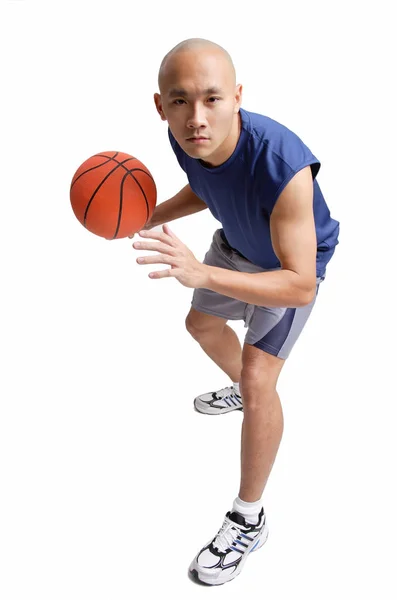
[(200, 322), (210, 302), (276, 330)]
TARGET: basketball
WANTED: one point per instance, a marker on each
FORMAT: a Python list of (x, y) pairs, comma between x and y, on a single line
[(113, 194)]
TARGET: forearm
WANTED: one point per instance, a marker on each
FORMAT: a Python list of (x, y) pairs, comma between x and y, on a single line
[(281, 288), (184, 203)]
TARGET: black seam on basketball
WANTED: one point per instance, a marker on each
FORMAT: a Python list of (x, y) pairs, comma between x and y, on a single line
[(121, 198), (113, 158), (143, 171), (99, 186), (130, 170), (121, 205), (141, 188), (96, 166)]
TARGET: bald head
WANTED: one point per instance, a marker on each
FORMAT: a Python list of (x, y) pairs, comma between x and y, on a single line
[(200, 100), (199, 46)]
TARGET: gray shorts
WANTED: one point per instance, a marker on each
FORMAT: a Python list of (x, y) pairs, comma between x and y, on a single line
[(273, 330)]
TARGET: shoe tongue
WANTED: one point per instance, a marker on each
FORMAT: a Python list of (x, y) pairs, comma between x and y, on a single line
[(239, 519)]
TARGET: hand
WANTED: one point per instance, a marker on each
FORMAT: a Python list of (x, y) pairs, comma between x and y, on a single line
[(148, 225), (184, 266)]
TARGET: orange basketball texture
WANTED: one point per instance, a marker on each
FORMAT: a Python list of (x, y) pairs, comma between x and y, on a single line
[(113, 194)]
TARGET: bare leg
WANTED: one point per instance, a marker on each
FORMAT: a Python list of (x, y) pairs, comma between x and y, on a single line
[(263, 423), (261, 435), (218, 341)]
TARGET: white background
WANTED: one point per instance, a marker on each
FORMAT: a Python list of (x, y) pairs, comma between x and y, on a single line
[(110, 482)]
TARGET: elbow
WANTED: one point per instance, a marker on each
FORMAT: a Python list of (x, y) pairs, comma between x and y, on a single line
[(306, 296), (306, 288)]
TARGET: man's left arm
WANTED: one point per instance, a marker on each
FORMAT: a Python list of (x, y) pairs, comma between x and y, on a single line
[(294, 242)]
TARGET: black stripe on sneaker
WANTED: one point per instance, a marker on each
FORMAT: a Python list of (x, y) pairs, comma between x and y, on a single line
[(247, 537), (233, 547)]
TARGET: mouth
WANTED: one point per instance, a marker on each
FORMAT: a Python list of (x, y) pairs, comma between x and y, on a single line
[(197, 139)]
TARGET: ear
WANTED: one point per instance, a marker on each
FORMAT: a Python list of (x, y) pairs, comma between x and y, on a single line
[(159, 106), (238, 97)]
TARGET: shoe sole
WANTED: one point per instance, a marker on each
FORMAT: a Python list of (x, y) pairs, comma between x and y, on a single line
[(216, 412), (210, 410), (203, 577)]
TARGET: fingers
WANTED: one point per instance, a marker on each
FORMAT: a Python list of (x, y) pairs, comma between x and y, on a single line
[(166, 245), (165, 273), (157, 247), (159, 259), (169, 232), (157, 235), (166, 234), (146, 227)]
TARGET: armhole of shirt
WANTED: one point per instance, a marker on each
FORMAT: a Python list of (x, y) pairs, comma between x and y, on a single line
[(314, 166)]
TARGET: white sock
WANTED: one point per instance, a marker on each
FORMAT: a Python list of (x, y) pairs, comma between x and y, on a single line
[(249, 510), (236, 387)]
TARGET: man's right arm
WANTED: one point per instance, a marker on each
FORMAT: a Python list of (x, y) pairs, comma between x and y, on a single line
[(184, 203)]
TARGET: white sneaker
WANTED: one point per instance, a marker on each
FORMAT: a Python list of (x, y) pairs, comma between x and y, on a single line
[(223, 558), (222, 401)]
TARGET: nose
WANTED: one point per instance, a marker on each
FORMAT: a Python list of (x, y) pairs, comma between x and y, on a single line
[(197, 117)]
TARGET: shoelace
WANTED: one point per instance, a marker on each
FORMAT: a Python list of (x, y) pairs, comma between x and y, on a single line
[(225, 536), (224, 396)]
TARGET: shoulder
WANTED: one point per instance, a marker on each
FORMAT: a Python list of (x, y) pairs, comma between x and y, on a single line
[(272, 143)]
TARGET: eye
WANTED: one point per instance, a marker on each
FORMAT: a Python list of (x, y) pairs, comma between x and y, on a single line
[(177, 101), (213, 100)]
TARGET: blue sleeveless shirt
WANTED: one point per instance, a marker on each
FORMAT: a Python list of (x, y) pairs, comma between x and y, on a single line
[(241, 192)]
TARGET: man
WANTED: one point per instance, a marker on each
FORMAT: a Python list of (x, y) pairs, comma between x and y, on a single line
[(264, 265)]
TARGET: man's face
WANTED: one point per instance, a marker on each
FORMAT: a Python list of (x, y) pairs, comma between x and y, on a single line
[(199, 99)]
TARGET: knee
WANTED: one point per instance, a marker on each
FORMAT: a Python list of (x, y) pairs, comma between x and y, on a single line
[(257, 389), (196, 330)]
